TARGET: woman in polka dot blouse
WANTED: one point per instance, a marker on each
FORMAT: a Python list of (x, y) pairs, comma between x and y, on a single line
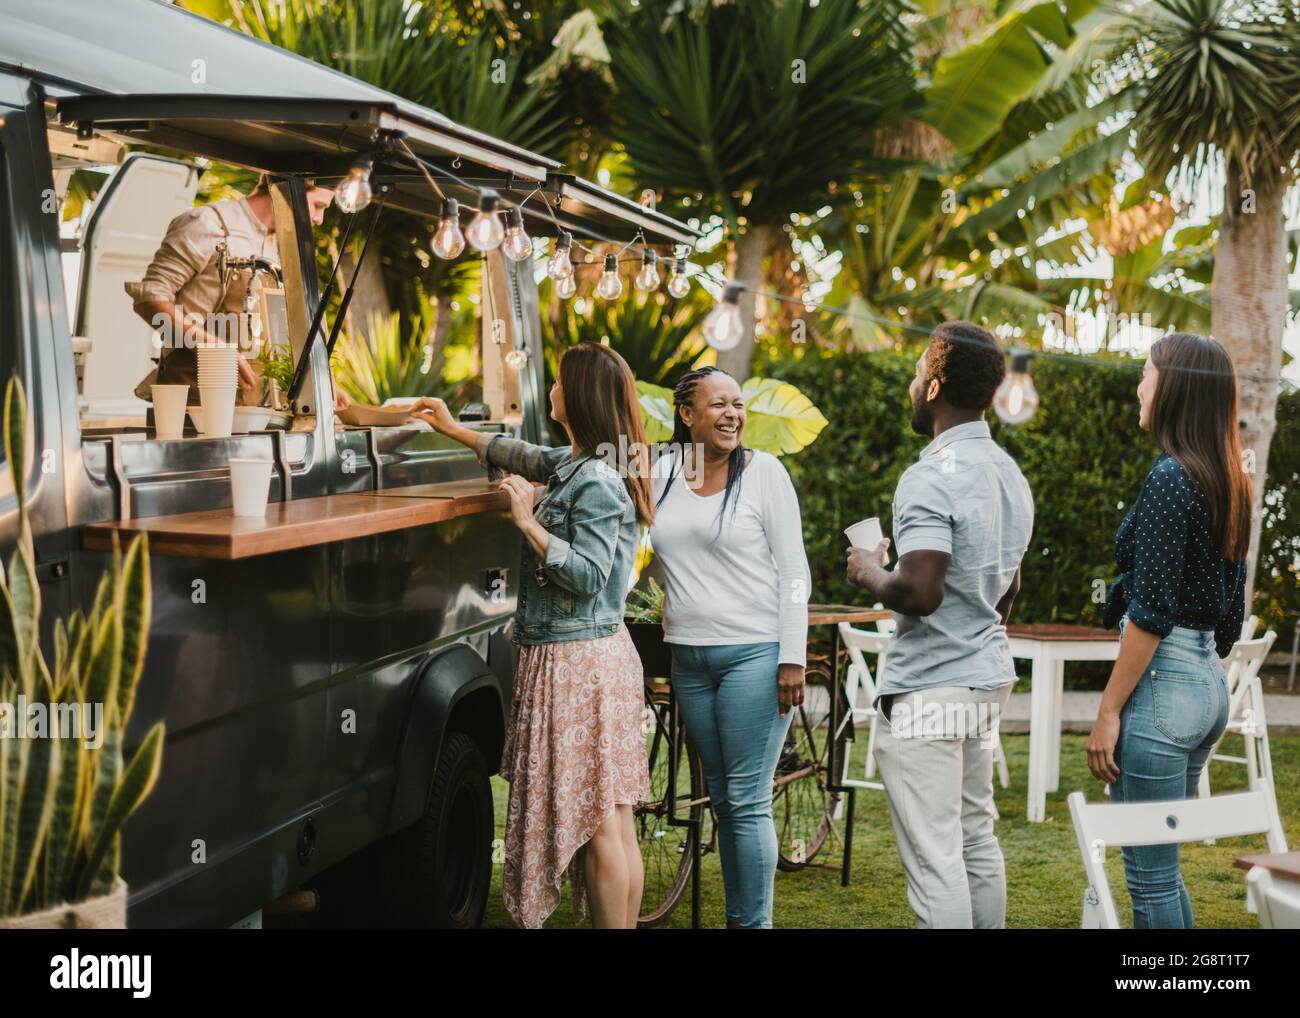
[(1179, 602)]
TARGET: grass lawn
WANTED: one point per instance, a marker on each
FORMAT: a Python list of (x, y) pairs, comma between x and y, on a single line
[(1044, 874)]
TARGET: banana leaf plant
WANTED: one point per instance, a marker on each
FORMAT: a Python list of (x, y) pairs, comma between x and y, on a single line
[(63, 801), (778, 417)]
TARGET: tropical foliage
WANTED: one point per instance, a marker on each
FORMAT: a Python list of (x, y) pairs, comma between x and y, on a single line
[(778, 417)]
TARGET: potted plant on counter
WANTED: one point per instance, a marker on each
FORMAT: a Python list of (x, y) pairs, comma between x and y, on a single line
[(65, 791)]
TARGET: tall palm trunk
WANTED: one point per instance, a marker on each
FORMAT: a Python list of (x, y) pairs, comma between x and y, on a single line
[(746, 266), (1248, 316)]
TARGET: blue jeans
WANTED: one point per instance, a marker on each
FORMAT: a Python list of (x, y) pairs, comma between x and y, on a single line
[(1168, 729), (727, 696)]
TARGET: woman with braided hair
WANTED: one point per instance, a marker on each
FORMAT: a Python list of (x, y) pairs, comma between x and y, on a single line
[(728, 533)]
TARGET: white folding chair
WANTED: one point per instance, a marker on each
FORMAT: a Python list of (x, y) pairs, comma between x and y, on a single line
[(1102, 826), (859, 643), (1245, 711), (859, 678), (1248, 628), (1277, 902)]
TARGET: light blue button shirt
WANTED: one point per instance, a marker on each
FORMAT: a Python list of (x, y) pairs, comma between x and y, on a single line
[(965, 496)]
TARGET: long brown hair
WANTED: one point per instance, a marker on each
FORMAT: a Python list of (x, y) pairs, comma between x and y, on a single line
[(1194, 419), (601, 403)]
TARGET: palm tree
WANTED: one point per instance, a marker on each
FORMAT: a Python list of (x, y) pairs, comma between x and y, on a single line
[(1034, 142), (751, 111), (1221, 98)]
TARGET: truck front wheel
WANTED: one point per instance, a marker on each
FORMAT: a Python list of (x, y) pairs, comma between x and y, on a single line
[(437, 872)]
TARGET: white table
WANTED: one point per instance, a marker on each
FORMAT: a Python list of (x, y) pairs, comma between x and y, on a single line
[(1049, 646)]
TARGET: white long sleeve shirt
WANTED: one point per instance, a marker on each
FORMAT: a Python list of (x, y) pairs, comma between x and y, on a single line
[(748, 582)]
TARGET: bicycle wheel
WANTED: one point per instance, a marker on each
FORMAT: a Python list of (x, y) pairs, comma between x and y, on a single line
[(665, 847), (803, 805)]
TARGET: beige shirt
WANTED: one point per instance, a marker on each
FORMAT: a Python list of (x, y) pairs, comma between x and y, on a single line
[(184, 269)]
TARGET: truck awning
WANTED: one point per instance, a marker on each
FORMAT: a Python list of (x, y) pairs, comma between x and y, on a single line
[(321, 138)]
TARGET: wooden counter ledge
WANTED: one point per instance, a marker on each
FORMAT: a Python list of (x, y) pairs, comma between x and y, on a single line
[(301, 523)]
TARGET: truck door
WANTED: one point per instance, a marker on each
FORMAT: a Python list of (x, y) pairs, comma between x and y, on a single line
[(121, 235), (30, 296)]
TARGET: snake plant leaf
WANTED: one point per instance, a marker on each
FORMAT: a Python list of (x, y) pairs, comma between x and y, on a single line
[(16, 442), (10, 805), (105, 665), (39, 781), (133, 788), (778, 417), (60, 650), (25, 592), (10, 642), (62, 837), (135, 603), (106, 771), (656, 411)]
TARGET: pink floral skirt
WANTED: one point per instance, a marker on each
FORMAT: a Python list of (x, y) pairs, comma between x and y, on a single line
[(575, 749)]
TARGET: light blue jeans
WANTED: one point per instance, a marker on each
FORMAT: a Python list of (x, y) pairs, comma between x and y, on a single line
[(1167, 731), (727, 697)]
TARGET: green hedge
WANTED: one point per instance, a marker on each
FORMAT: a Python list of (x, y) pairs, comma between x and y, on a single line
[(1083, 454)]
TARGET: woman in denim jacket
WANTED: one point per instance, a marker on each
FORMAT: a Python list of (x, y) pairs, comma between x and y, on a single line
[(1179, 599), (575, 752)]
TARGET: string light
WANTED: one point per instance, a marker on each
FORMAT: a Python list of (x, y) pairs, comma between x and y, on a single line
[(516, 246), (724, 327), (516, 358), (566, 286), (610, 287), (448, 240), (648, 278), (485, 231), (1016, 398), (559, 265), (678, 285), (353, 193)]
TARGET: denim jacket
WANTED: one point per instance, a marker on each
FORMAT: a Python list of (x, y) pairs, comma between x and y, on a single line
[(578, 592)]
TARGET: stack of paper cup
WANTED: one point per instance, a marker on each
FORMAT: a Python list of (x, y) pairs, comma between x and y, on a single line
[(218, 383), (169, 410), (250, 485)]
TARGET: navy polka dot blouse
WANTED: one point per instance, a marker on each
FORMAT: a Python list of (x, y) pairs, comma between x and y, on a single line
[(1171, 571)]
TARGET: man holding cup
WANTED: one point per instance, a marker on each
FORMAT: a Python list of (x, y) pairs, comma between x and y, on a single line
[(963, 514)]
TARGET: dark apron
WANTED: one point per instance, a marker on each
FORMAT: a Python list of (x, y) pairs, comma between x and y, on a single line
[(179, 365)]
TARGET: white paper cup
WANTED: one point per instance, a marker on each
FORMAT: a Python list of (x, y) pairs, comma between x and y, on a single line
[(169, 410), (196, 415), (865, 534), (218, 409), (250, 484)]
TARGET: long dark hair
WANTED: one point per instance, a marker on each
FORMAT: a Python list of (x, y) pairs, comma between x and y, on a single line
[(1194, 419), (683, 393), (601, 403)]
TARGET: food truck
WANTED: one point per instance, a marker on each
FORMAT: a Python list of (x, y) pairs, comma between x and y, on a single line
[(334, 678)]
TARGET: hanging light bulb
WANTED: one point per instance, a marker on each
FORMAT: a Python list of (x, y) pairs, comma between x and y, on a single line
[(448, 240), (678, 284), (517, 247), (1016, 398), (566, 286), (648, 278), (610, 286), (485, 232), (559, 266), (724, 326), (516, 358), (353, 193)]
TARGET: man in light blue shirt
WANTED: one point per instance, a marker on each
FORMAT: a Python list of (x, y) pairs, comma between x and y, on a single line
[(963, 514)]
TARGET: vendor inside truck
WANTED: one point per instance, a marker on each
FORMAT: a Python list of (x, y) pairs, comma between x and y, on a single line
[(196, 286)]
